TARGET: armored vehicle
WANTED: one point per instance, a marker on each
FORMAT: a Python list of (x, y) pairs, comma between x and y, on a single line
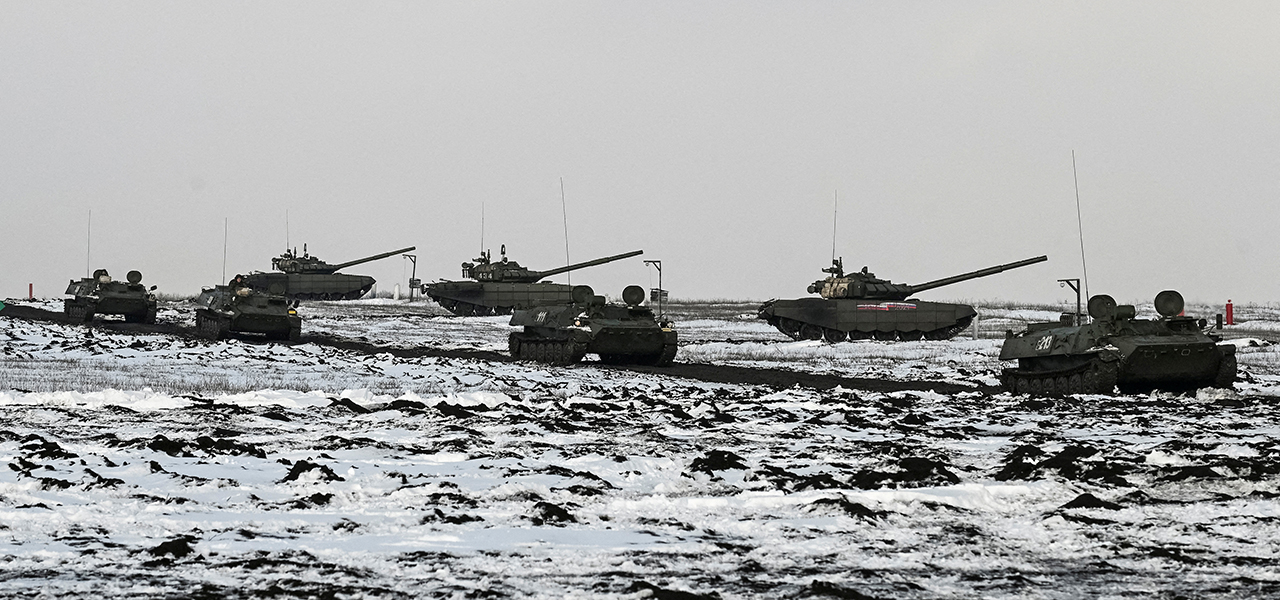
[(497, 288), (1171, 353), (242, 309), (861, 306), (306, 277), (619, 334), (101, 295)]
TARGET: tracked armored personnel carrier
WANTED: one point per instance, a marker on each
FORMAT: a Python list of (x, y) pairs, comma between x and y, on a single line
[(1117, 349), (619, 334), (239, 308), (306, 277), (860, 306), (498, 288), (100, 295)]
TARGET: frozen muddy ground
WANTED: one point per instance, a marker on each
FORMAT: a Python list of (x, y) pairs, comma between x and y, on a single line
[(157, 465)]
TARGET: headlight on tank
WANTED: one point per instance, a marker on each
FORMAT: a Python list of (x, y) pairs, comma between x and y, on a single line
[(292, 312), (579, 322)]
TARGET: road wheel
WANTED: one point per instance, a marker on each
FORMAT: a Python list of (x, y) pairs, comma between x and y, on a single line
[(1047, 387), (884, 336), (810, 332), (834, 336), (513, 345), (1075, 384), (295, 334), (910, 336), (1022, 385)]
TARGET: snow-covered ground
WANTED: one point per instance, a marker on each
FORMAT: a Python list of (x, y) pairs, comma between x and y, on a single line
[(153, 465)]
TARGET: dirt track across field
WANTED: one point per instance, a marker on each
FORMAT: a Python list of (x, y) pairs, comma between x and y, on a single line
[(778, 378)]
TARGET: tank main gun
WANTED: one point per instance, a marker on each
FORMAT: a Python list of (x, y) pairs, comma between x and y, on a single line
[(864, 285), (510, 271), (937, 283), (290, 262)]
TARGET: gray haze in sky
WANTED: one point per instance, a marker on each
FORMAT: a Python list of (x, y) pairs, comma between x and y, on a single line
[(713, 135)]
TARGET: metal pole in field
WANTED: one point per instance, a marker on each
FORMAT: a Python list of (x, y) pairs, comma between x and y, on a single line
[(662, 292)]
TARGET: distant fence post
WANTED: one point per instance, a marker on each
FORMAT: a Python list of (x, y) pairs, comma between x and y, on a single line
[(1231, 313), (31, 291)]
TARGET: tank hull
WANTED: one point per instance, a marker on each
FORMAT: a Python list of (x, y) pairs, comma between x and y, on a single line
[(563, 334), (466, 298), (847, 319), (303, 286), (216, 324), (1096, 359), (130, 300)]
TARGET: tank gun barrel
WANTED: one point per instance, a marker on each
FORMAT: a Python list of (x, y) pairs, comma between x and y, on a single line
[(582, 265), (366, 259), (937, 283)]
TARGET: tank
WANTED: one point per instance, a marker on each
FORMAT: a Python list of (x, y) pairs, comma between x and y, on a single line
[(861, 306), (102, 295), (306, 277), (239, 308), (619, 333), (498, 288), (1171, 353)]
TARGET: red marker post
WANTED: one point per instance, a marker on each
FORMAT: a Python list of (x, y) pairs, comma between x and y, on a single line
[(31, 291), (1231, 316)]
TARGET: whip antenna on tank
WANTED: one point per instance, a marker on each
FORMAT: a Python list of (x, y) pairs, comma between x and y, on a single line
[(482, 228), (564, 212), (1080, 224), (88, 239), (286, 230), (225, 220), (835, 214)]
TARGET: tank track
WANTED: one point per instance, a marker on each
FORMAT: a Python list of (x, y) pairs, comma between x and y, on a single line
[(554, 352), (1227, 370), (1097, 376), (78, 312), (467, 309), (808, 331), (353, 295), (211, 328)]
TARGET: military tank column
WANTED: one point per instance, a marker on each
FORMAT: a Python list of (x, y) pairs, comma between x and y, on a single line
[(306, 277), (1117, 349), (860, 306), (101, 295), (498, 288), (619, 334)]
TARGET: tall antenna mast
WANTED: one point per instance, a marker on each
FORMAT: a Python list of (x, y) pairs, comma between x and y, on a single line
[(286, 230), (225, 220), (88, 240), (835, 213), (482, 228), (565, 213), (1080, 224)]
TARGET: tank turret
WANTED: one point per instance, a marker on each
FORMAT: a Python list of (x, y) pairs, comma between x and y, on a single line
[(865, 285), (510, 271), (290, 262)]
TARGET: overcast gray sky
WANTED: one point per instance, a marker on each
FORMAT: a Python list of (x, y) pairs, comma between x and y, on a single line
[(713, 135)]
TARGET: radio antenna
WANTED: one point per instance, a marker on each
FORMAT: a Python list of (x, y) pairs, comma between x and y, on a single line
[(565, 214), (1080, 224), (286, 230), (88, 241), (482, 228), (835, 213), (225, 220)]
